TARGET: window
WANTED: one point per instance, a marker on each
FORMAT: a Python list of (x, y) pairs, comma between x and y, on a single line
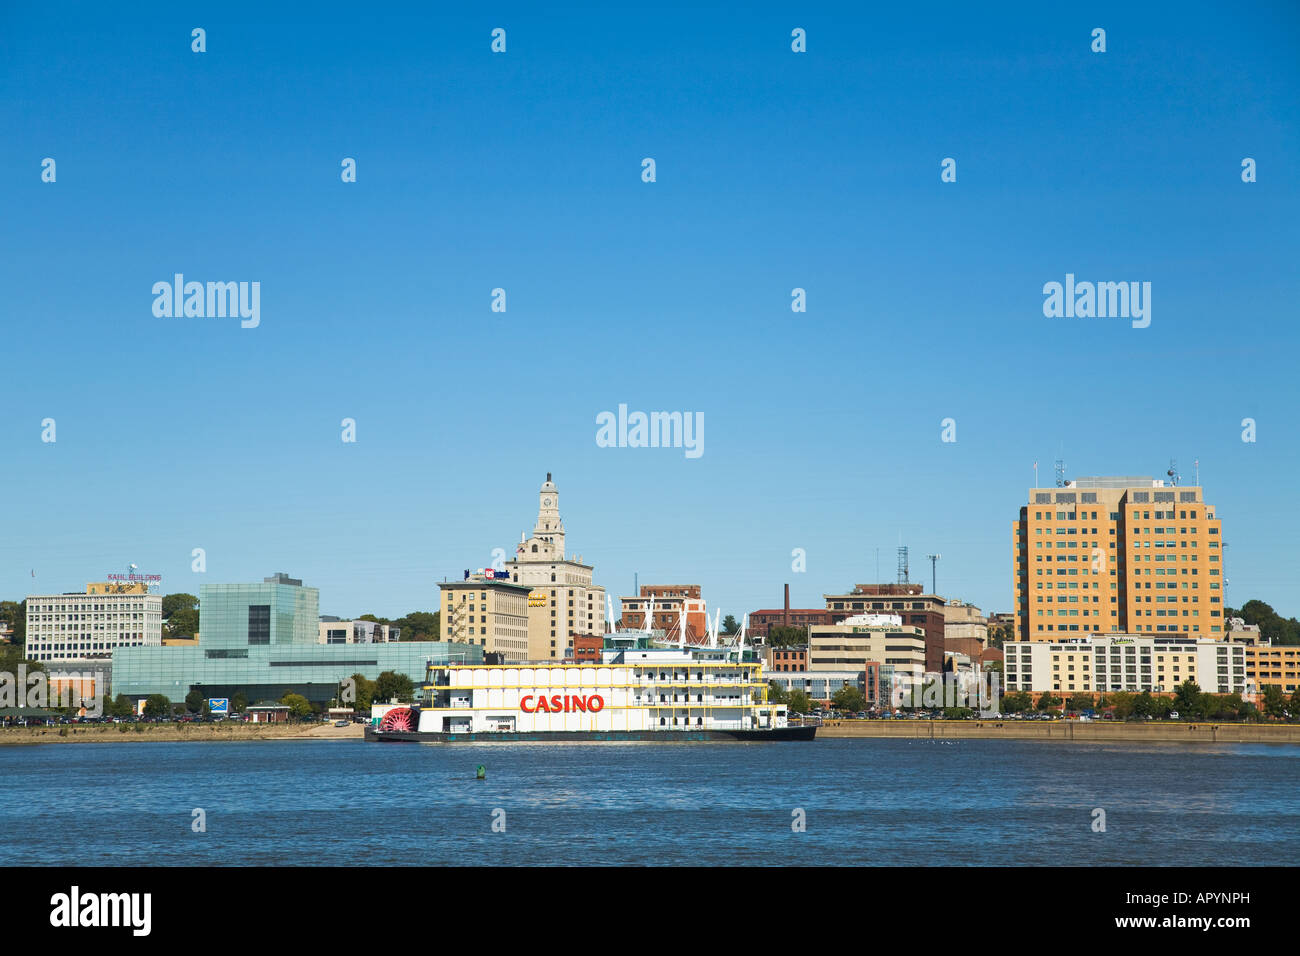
[(259, 624)]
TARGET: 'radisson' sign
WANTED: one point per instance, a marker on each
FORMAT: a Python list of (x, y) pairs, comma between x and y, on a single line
[(562, 704)]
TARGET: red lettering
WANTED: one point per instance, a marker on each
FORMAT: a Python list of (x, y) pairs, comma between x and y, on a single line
[(580, 703), (557, 703), (595, 703), (526, 707), (541, 705)]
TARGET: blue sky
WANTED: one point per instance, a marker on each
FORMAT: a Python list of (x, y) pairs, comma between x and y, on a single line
[(522, 170)]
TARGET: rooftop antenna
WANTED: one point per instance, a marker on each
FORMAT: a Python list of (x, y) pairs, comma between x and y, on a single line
[(1196, 463), (902, 564), (934, 558), (1060, 472), (1173, 471)]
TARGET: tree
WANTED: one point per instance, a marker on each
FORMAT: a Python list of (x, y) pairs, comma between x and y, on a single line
[(1272, 626), (298, 705), (849, 697), (1017, 702), (1274, 702), (180, 615), (14, 613), (420, 626), (1122, 704), (1080, 702), (776, 694), (1144, 705), (1187, 698), (364, 692), (799, 702), (391, 685), (1048, 701), (239, 703), (729, 625), (157, 705), (778, 635), (195, 701)]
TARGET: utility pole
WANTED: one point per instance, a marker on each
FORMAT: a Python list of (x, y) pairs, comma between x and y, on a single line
[(934, 558)]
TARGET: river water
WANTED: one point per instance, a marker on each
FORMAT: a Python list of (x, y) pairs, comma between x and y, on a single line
[(833, 802)]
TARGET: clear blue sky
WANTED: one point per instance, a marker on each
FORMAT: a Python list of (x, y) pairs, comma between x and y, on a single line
[(775, 170)]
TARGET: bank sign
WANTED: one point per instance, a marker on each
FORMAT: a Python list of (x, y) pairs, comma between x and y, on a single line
[(488, 573)]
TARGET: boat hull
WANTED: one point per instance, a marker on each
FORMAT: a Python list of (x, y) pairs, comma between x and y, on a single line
[(592, 736)]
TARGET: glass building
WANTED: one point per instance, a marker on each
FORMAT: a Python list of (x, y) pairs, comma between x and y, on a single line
[(260, 640)]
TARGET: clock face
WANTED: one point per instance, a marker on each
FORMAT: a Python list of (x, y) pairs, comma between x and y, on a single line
[(546, 502)]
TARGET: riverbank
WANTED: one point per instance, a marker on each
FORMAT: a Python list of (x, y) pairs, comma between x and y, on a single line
[(1096, 731), (128, 733)]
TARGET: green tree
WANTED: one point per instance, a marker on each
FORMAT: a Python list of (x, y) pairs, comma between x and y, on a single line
[(1187, 698), (1272, 626), (730, 625), (364, 690), (1080, 702), (180, 615), (1017, 703), (799, 702), (14, 613), (391, 685), (1048, 701), (1273, 702), (239, 703), (849, 697), (420, 626), (776, 693), (299, 706), (1144, 705), (778, 635), (1122, 704), (157, 705), (195, 701)]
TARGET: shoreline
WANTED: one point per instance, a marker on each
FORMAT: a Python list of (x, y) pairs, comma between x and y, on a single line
[(1206, 732), (1060, 731), (174, 733)]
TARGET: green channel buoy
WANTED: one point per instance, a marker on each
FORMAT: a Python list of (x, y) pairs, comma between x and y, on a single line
[(482, 772)]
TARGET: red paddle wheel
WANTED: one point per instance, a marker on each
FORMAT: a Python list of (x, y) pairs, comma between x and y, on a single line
[(399, 718)]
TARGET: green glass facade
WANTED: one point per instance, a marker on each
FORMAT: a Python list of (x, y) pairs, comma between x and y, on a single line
[(261, 640), (269, 672)]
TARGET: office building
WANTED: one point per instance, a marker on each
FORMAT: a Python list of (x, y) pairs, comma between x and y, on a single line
[(563, 601), (489, 610), (1125, 555), (1124, 662)]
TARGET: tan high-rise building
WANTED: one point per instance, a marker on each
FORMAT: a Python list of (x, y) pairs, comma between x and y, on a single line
[(490, 612), (563, 602), (1117, 555)]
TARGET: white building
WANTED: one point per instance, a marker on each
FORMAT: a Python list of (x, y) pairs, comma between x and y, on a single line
[(1124, 662), (86, 627), (334, 631)]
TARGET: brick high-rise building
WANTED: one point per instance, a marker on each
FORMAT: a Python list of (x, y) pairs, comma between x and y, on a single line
[(1117, 555)]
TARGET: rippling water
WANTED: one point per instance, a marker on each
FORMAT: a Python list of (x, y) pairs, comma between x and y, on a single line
[(884, 802)]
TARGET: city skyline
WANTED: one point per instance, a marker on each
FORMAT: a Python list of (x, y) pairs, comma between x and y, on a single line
[(823, 430)]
